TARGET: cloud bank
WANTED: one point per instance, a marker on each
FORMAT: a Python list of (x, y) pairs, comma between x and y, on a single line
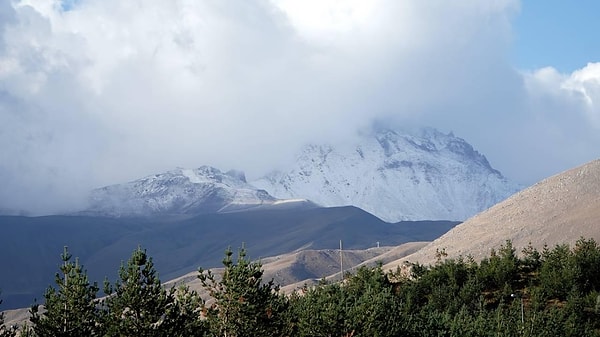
[(94, 92)]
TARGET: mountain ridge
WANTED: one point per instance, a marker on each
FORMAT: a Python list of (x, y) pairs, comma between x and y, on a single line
[(181, 191), (179, 245), (396, 176)]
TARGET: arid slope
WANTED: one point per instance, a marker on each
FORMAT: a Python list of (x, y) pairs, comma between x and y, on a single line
[(559, 209), (293, 270)]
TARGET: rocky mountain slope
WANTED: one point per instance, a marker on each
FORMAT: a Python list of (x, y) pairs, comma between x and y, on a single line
[(181, 191), (559, 209), (396, 176)]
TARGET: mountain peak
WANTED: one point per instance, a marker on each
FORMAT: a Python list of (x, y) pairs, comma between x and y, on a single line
[(429, 139), (180, 191), (239, 175), (396, 175)]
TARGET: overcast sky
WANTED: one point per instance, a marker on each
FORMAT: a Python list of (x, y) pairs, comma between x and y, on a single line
[(94, 92)]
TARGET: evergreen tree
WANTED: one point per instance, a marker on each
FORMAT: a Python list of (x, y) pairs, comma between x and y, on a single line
[(138, 305), (364, 305), (557, 273), (70, 308), (321, 311), (26, 331), (5, 331), (185, 314), (499, 273), (586, 255), (373, 308), (243, 305)]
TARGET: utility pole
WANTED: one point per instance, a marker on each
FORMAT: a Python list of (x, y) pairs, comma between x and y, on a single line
[(341, 262), (522, 310), (66, 258)]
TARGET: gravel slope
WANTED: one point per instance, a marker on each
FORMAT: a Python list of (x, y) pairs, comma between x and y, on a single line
[(559, 209)]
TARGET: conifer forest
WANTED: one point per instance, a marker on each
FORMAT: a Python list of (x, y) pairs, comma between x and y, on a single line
[(552, 292)]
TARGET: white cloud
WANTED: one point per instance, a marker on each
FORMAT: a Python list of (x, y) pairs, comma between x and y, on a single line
[(570, 101), (563, 120), (111, 90), (586, 83)]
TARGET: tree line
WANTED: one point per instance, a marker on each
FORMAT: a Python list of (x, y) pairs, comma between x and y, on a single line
[(552, 292)]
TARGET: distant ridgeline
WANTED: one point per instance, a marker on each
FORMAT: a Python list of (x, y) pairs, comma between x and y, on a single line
[(179, 244), (554, 292)]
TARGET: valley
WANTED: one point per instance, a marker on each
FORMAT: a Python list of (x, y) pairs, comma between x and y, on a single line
[(180, 245)]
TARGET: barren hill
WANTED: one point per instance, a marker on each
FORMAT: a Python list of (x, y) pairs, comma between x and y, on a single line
[(293, 270), (559, 209)]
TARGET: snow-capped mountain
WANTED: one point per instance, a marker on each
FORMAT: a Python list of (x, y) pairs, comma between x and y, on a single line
[(180, 191), (422, 175), (396, 176)]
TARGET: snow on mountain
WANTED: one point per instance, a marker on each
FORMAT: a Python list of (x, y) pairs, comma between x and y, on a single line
[(396, 176), (180, 191), (423, 175)]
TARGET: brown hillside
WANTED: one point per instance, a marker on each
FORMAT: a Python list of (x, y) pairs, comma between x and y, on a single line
[(293, 270), (559, 209)]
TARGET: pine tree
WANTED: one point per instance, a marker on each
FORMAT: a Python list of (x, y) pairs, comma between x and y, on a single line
[(26, 331), (70, 308), (321, 311), (185, 314), (138, 304), (4, 331), (243, 305)]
